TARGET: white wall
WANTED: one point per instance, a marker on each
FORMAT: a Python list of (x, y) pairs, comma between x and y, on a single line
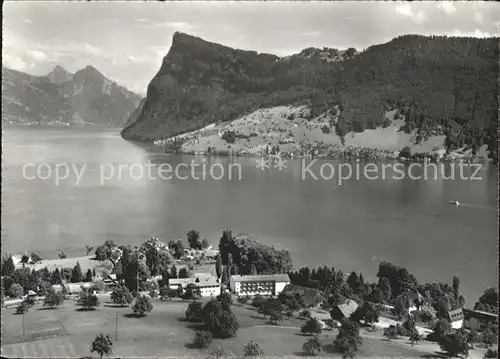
[(280, 286), (457, 324)]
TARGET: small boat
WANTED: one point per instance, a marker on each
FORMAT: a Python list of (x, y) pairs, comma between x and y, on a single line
[(455, 203)]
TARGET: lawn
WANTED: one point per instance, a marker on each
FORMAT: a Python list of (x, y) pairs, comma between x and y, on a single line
[(165, 333)]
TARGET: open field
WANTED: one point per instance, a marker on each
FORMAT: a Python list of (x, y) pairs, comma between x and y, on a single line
[(67, 332)]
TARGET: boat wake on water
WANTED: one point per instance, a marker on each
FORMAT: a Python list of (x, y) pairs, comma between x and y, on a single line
[(458, 204)]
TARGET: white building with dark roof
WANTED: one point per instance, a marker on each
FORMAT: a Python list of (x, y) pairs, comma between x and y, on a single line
[(209, 286), (270, 284)]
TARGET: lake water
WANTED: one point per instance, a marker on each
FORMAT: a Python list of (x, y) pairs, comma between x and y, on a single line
[(350, 226)]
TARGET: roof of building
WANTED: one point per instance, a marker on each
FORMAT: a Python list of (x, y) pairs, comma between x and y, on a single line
[(480, 313), (261, 278), (208, 281), (348, 307)]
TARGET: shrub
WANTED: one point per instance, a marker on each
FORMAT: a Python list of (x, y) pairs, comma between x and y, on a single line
[(90, 302), (219, 319), (202, 339), (122, 296), (22, 308), (142, 305), (312, 346), (491, 353), (305, 313), (312, 326), (253, 349), (102, 345), (15, 291), (194, 312), (53, 299), (325, 129), (348, 340), (390, 332)]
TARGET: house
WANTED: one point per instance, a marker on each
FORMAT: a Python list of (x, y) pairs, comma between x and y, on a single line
[(271, 284), (413, 300), (456, 318), (209, 286), (310, 297), (478, 319), (211, 254), (343, 310)]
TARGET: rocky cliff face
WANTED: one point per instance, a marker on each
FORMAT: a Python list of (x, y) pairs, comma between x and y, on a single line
[(431, 81), (86, 97)]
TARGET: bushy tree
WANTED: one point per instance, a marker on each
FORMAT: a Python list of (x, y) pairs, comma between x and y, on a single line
[(53, 299), (8, 267), (121, 295), (390, 332), (184, 273), (311, 327), (194, 239), (194, 312), (142, 305), (488, 337), (439, 330), (491, 353), (252, 349), (90, 302), (192, 292), (204, 244), (88, 276), (202, 339), (102, 345), (219, 319), (348, 340), (15, 291), (367, 312), (225, 297), (488, 301), (454, 343), (312, 346), (36, 258), (473, 337)]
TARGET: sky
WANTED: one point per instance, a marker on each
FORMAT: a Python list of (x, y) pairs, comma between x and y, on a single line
[(127, 41)]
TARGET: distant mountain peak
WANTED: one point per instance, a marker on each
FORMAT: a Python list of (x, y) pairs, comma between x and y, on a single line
[(59, 75)]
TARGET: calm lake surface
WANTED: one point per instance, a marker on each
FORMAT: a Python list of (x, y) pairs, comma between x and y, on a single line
[(352, 226)]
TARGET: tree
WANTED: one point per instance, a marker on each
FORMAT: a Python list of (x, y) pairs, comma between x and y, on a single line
[(276, 317), (390, 332), (194, 239), (488, 301), (348, 340), (218, 352), (194, 312), (173, 271), (102, 345), (142, 305), (472, 338), (440, 329), (252, 349), (176, 247), (15, 291), (8, 267), (192, 292), (312, 346), (202, 339), (367, 312), (405, 152), (385, 290), (225, 297), (219, 319), (400, 309), (88, 249), (218, 266), (454, 343), (62, 255), (204, 244), (184, 273), (53, 299), (488, 337), (25, 259), (36, 258), (102, 253), (90, 302), (76, 274), (121, 295), (88, 276), (311, 327)]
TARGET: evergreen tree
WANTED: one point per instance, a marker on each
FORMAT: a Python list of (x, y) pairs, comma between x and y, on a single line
[(76, 274)]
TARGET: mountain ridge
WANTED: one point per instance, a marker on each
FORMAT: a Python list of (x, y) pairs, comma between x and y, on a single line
[(86, 97), (431, 81)]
